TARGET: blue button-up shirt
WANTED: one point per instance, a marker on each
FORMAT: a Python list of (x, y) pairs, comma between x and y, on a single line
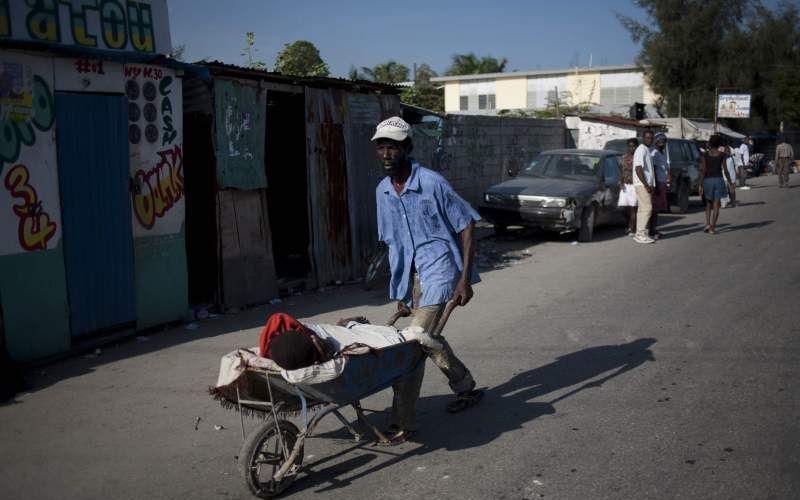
[(420, 227)]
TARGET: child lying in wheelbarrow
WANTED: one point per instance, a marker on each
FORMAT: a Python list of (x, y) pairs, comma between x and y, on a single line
[(293, 345)]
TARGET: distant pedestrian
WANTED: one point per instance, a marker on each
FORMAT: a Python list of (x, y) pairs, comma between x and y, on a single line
[(744, 154), (643, 182), (661, 169), (731, 165), (627, 194), (784, 156), (712, 184)]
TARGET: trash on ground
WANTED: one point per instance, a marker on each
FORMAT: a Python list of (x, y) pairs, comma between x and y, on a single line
[(574, 243), (219, 427), (196, 423), (202, 314), (192, 326)]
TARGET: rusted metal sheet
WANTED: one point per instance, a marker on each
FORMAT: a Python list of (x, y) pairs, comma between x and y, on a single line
[(248, 270), (364, 112), (327, 185)]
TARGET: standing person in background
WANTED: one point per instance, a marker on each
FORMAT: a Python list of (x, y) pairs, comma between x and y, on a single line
[(643, 182), (627, 195), (662, 173), (784, 156), (744, 152), (730, 165), (712, 185)]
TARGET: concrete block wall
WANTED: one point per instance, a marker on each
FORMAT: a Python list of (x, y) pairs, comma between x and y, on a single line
[(473, 152)]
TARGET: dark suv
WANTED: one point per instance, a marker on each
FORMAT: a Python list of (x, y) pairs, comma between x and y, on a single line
[(683, 159)]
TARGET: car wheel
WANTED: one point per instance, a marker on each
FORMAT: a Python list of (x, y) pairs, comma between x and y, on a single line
[(682, 199), (586, 232)]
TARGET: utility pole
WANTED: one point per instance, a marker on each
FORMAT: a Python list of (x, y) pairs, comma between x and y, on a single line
[(716, 107), (558, 108), (680, 112)]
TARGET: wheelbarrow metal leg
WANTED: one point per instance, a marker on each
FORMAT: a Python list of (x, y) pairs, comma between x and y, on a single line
[(356, 435), (363, 419)]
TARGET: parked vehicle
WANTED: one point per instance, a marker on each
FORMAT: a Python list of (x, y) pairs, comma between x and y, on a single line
[(683, 159), (561, 190)]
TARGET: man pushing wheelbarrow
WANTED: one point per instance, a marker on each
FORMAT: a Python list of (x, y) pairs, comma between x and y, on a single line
[(428, 228)]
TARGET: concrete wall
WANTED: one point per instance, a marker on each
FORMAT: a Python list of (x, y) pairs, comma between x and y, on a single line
[(594, 135), (473, 152), (511, 93), (451, 96)]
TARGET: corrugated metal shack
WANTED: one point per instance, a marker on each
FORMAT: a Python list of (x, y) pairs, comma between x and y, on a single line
[(91, 174), (281, 194)]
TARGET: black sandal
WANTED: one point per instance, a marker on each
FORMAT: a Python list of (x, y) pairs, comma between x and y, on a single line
[(465, 400)]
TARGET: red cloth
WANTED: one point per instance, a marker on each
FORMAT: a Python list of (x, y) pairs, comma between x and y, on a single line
[(277, 324)]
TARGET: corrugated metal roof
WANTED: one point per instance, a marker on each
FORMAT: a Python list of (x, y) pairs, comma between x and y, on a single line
[(540, 72), (224, 69)]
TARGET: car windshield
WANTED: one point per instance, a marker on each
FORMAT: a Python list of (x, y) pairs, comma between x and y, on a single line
[(567, 165)]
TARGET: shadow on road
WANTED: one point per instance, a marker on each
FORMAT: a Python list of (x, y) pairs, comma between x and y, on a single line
[(504, 408)]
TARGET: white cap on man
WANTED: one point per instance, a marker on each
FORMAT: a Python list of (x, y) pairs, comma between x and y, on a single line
[(394, 128)]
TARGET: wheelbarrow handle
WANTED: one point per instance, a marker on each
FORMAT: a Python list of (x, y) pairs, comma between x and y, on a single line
[(448, 309), (437, 330), (401, 313)]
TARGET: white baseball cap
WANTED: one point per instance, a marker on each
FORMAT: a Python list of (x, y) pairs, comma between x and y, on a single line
[(394, 128)]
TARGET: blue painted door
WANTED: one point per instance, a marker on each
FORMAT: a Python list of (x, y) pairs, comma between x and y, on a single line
[(91, 133)]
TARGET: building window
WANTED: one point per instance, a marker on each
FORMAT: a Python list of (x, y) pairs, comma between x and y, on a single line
[(492, 102), (463, 103), (482, 101), (486, 101), (621, 96)]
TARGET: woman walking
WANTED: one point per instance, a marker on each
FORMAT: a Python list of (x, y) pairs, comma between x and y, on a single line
[(712, 185)]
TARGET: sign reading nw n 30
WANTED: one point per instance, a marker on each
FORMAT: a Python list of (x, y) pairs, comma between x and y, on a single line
[(140, 26)]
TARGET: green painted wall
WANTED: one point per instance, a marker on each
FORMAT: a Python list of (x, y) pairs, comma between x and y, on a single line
[(33, 290), (162, 288)]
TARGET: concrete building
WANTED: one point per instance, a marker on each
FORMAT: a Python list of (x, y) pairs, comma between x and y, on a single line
[(603, 89)]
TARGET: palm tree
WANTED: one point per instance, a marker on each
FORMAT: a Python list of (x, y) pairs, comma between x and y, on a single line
[(470, 64)]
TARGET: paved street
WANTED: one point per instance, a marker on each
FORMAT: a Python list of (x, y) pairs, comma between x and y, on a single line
[(613, 370)]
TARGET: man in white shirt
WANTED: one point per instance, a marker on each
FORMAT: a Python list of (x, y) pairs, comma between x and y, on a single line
[(744, 152), (644, 180)]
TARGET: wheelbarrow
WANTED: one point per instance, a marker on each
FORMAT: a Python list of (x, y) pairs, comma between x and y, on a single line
[(271, 456)]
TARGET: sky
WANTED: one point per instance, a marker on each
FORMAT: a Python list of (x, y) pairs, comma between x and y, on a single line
[(533, 34)]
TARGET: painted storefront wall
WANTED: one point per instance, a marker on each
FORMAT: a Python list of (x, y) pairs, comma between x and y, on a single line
[(33, 283), (155, 136), (32, 280)]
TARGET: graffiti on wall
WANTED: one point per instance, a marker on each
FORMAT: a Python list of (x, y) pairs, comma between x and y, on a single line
[(35, 228), (157, 190), (26, 103), (126, 25), (154, 136)]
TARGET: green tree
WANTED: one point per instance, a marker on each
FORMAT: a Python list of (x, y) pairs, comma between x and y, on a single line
[(249, 51), (424, 93), (178, 52), (470, 64), (301, 58), (692, 47), (388, 72)]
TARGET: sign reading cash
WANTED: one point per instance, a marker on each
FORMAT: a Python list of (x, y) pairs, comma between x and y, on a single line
[(140, 26), (733, 106)]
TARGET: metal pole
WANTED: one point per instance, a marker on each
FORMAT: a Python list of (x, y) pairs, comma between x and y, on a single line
[(716, 107), (558, 108), (680, 112)]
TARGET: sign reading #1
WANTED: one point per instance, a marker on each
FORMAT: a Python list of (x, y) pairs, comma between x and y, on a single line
[(140, 26), (733, 106)]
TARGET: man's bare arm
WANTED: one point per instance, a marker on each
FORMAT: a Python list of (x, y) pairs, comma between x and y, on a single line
[(463, 292)]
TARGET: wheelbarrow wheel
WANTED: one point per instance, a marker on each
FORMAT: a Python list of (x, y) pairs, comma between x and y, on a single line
[(261, 456)]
